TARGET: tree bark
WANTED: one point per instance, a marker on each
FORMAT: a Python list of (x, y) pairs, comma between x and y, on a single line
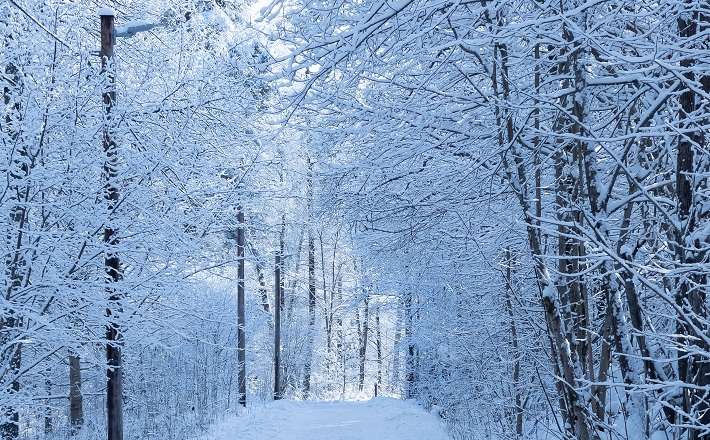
[(311, 287), (48, 409), (363, 342), (277, 326), (518, 412), (378, 345), (241, 338), (691, 295), (263, 292), (412, 362), (76, 407)]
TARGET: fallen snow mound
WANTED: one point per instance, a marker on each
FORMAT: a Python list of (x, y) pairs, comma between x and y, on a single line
[(381, 418)]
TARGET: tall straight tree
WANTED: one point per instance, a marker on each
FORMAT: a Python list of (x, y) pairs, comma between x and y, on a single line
[(692, 168), (76, 400), (278, 289), (307, 370), (241, 318)]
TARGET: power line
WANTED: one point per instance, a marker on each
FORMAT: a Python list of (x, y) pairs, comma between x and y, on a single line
[(37, 22)]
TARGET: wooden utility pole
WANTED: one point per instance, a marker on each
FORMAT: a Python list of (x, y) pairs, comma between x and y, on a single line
[(277, 326), (114, 389), (241, 341)]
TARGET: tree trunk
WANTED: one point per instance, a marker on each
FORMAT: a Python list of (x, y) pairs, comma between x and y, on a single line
[(277, 326), (76, 407), (378, 345), (518, 412), (263, 292), (339, 347), (566, 309), (412, 362), (241, 338), (363, 343), (48, 409), (288, 361), (691, 295), (327, 299), (396, 361), (311, 288)]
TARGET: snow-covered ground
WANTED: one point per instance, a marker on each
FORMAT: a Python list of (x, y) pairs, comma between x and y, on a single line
[(381, 418)]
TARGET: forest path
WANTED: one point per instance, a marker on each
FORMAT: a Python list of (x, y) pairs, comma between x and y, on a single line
[(378, 419)]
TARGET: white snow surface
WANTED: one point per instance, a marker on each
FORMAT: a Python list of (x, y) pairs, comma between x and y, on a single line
[(107, 11), (380, 418)]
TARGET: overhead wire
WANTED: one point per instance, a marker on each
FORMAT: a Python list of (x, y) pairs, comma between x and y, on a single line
[(38, 23)]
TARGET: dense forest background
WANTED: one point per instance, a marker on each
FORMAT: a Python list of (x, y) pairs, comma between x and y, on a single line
[(497, 208)]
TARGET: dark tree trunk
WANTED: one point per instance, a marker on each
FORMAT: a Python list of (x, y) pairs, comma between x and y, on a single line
[(48, 409), (509, 293), (378, 345), (76, 407), (241, 338), (311, 287), (277, 326), (691, 294), (11, 429), (411, 367), (363, 343), (263, 291)]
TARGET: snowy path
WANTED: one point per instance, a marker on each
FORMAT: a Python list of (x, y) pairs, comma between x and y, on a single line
[(378, 419)]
